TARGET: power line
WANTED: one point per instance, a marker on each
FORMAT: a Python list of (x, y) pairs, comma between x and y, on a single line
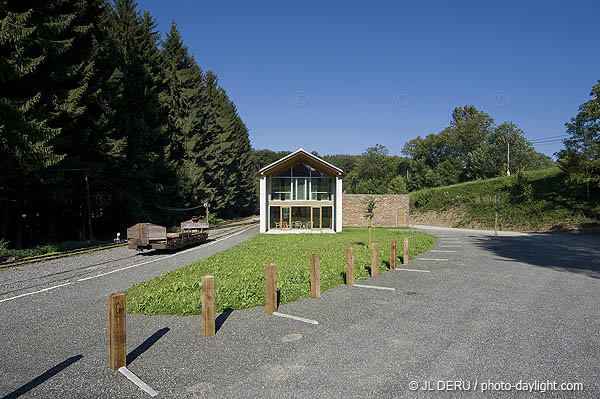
[(134, 198), (561, 136), (552, 143)]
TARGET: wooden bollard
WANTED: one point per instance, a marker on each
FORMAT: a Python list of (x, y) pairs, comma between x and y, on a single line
[(392, 254), (374, 259), (208, 306), (271, 288), (406, 257), (315, 276), (350, 266), (117, 331)]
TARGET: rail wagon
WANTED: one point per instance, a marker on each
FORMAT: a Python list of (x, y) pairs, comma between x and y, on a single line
[(152, 236)]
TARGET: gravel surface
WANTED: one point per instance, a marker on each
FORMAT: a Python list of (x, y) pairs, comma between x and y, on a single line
[(521, 308)]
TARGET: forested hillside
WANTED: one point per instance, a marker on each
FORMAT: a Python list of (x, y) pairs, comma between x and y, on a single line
[(93, 88)]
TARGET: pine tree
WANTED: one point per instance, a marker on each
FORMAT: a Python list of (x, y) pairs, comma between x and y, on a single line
[(182, 99), (45, 72), (138, 140)]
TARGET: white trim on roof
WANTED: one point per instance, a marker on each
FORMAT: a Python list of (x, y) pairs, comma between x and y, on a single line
[(300, 150)]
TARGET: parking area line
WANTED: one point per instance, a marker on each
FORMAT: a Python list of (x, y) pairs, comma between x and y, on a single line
[(137, 381), (375, 287), (297, 318), (412, 270), (433, 259)]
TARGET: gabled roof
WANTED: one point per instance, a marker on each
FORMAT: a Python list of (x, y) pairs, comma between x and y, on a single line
[(301, 155)]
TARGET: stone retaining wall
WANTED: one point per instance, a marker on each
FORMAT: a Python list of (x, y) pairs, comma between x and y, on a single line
[(391, 210)]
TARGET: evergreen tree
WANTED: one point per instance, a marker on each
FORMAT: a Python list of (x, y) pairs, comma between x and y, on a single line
[(182, 99), (45, 73), (138, 139)]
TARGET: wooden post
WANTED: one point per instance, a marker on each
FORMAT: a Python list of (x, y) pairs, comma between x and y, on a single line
[(369, 231), (392, 254), (208, 306), (374, 259), (405, 258), (271, 288), (315, 276), (117, 331), (350, 266)]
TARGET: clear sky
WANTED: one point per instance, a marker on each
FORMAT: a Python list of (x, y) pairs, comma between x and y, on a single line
[(338, 77)]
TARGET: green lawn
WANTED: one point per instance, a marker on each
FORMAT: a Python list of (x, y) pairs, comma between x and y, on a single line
[(240, 271)]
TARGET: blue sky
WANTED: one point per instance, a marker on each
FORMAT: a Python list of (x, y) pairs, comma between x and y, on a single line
[(338, 77)]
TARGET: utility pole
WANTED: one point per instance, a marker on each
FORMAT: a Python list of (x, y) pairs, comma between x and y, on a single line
[(508, 160), (89, 206)]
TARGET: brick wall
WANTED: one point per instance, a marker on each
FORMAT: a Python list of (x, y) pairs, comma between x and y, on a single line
[(390, 210)]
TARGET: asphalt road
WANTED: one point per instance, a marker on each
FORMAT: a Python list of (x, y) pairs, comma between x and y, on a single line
[(53, 317), (522, 308)]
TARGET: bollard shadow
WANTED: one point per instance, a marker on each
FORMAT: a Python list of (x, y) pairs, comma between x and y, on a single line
[(220, 320), (278, 298), (359, 243), (368, 269), (144, 346), (343, 274), (43, 377)]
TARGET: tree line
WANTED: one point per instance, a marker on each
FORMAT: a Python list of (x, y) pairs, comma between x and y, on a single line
[(92, 89), (471, 147), (580, 158)]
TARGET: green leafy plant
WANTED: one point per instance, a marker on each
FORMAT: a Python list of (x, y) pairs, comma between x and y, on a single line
[(370, 213)]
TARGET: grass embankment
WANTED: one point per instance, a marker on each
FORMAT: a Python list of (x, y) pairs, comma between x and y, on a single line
[(240, 271), (48, 249), (534, 201)]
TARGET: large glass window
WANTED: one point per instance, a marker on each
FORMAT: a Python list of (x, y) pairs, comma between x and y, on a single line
[(301, 217), (301, 170), (274, 217), (320, 189), (316, 218), (281, 188), (327, 217), (300, 188), (301, 183)]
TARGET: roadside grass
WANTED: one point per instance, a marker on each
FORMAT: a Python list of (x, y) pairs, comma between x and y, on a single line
[(240, 271), (537, 200), (48, 249)]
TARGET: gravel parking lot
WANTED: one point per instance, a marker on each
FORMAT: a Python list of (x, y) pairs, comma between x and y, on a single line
[(472, 309)]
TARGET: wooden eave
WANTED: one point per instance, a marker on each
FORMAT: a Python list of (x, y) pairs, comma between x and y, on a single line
[(301, 156)]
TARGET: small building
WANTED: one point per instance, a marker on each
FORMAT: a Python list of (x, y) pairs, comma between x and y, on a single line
[(300, 193)]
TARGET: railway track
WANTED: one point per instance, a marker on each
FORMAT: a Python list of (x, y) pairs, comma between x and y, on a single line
[(76, 272), (82, 251)]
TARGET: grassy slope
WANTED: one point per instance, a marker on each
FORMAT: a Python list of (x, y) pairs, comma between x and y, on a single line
[(240, 271), (553, 204), (49, 249)]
